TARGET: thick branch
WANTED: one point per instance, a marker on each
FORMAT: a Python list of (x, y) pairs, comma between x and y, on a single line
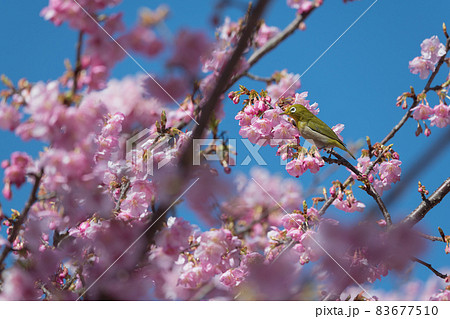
[(207, 109), (223, 80), (425, 206), (78, 67)]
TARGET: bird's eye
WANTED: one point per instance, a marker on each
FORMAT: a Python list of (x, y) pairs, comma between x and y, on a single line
[(292, 110)]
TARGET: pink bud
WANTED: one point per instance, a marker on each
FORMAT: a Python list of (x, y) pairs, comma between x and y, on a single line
[(249, 110), (427, 132), (5, 164), (7, 190), (332, 191)]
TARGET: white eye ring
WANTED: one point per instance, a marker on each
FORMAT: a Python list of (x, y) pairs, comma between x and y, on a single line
[(293, 109)]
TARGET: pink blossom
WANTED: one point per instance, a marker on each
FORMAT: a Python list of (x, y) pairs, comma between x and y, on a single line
[(422, 112), (285, 87), (441, 117), (18, 284), (85, 229), (432, 49), (300, 98), (189, 48), (126, 96), (59, 11), (15, 172), (313, 163), (232, 277), (443, 295), (244, 118), (338, 128), (108, 140), (363, 165), (142, 40), (217, 59), (273, 115), (349, 205), (217, 248), (294, 220), (135, 204), (296, 167), (175, 238), (284, 131), (390, 171), (167, 89), (9, 117), (421, 66), (302, 6), (264, 126), (265, 33), (192, 276), (252, 133), (228, 32)]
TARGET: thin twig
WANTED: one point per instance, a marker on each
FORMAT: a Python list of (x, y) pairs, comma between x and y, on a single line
[(397, 127), (21, 219), (276, 40), (437, 273), (425, 206), (370, 190), (416, 101), (259, 78), (430, 237)]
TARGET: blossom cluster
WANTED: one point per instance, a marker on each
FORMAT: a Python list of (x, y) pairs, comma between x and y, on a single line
[(263, 124), (96, 226), (432, 51), (383, 174), (438, 116)]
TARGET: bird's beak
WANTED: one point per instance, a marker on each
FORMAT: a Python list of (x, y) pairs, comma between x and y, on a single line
[(284, 113)]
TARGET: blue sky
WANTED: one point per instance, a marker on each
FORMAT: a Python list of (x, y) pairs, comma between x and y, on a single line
[(355, 83)]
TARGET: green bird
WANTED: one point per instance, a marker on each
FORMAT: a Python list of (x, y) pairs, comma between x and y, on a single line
[(312, 128)]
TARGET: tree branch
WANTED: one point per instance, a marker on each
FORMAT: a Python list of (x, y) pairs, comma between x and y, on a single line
[(207, 109), (258, 78), (437, 273), (425, 206), (368, 188), (399, 125), (276, 40), (416, 101), (430, 237), (78, 67), (21, 219)]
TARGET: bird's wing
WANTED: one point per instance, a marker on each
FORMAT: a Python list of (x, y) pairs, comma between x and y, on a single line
[(324, 129)]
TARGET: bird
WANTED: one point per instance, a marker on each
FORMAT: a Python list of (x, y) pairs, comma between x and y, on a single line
[(313, 128)]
